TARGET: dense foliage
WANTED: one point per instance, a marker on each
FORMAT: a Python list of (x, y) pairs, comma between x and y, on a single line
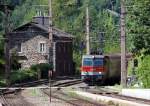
[(143, 71), (42, 68), (23, 75), (138, 36), (26, 75), (138, 22)]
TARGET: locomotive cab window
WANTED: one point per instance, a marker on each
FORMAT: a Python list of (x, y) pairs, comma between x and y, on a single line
[(98, 62), (93, 62), (87, 62)]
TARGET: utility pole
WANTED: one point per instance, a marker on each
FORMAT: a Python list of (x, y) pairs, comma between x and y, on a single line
[(6, 8), (87, 32), (101, 42), (51, 44), (123, 46), (50, 21), (6, 46)]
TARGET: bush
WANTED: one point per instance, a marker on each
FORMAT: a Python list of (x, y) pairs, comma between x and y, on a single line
[(77, 57), (143, 71), (23, 75), (43, 68), (2, 82)]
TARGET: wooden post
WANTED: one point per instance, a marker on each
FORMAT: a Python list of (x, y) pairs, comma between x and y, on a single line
[(39, 74), (123, 46), (51, 42), (50, 91), (50, 21), (6, 46), (51, 54)]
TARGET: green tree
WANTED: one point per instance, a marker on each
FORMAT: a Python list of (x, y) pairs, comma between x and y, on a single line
[(143, 71), (138, 36), (138, 22)]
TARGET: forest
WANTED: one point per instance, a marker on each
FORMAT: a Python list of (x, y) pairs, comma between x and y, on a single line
[(69, 16)]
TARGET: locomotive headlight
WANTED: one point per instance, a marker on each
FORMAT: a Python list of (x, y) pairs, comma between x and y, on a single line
[(100, 72)]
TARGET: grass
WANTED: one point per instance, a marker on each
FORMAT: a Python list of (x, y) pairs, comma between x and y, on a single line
[(115, 87), (2, 81)]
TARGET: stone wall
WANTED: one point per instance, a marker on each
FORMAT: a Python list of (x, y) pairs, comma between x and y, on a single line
[(30, 49)]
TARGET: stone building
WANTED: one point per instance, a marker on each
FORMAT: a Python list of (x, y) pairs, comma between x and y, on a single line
[(32, 45)]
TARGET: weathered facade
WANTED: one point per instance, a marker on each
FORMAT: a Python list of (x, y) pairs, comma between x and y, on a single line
[(32, 45)]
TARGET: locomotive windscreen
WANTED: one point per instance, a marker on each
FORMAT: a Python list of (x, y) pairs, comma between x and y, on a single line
[(93, 62), (87, 62), (98, 62)]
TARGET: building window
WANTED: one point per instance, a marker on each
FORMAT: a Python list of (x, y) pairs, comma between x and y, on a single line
[(64, 48), (42, 47), (64, 66), (19, 48)]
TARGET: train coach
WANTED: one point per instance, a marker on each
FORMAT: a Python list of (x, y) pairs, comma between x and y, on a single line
[(101, 68)]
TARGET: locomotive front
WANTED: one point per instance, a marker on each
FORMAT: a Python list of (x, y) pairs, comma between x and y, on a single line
[(92, 68)]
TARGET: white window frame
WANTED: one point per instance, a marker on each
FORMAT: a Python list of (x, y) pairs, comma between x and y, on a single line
[(42, 49)]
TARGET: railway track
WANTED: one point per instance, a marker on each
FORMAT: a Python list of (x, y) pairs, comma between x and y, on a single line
[(14, 100), (73, 101), (68, 83), (3, 101), (33, 83), (54, 83), (12, 96)]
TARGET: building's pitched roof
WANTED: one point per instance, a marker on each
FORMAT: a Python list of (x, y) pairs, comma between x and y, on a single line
[(56, 32)]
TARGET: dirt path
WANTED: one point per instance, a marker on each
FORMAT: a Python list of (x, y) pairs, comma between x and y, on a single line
[(36, 97)]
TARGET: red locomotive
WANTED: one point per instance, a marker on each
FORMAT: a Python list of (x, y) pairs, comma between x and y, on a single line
[(92, 67), (101, 68)]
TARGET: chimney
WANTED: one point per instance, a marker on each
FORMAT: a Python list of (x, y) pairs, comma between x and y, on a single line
[(42, 20)]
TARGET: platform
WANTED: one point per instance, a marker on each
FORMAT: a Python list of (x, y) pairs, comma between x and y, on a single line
[(138, 93)]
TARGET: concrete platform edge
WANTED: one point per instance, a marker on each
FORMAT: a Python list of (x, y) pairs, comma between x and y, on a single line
[(106, 99)]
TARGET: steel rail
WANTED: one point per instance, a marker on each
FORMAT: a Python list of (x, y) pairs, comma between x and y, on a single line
[(61, 84), (4, 101), (68, 83), (33, 83), (30, 85), (15, 100)]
